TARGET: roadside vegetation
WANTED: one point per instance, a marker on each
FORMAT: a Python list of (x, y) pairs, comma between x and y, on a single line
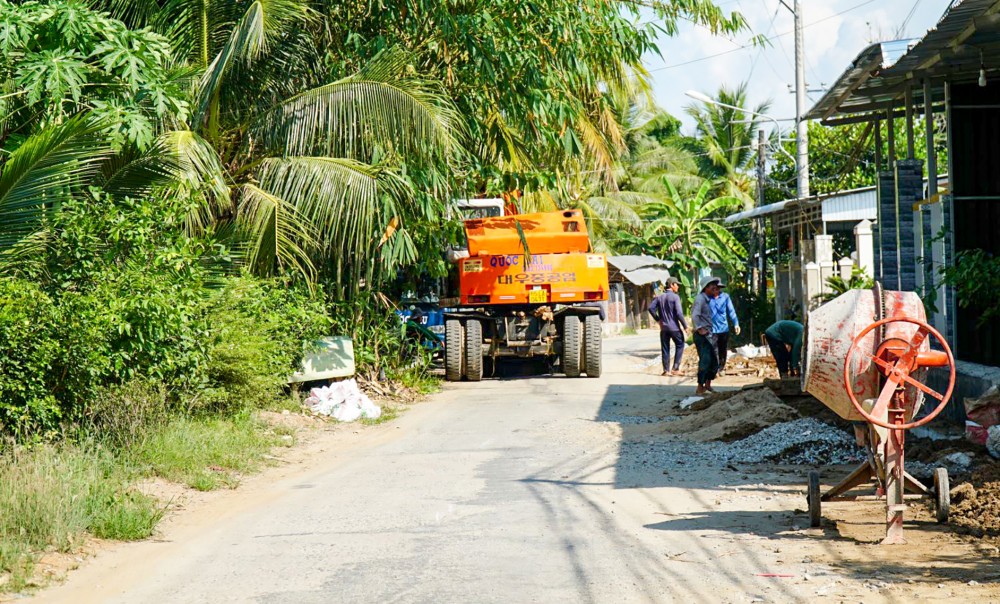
[(192, 192)]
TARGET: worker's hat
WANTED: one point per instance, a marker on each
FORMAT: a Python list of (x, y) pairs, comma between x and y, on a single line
[(706, 281)]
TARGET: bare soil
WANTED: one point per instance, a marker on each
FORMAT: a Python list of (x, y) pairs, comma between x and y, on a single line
[(976, 504)]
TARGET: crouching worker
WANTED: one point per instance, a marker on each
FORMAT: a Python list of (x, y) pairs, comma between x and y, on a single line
[(785, 340)]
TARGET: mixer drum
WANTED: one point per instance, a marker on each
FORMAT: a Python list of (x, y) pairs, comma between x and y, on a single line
[(830, 330)]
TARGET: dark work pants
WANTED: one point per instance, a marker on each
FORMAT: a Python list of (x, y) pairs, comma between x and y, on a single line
[(782, 356), (708, 358), (677, 337), (722, 347)]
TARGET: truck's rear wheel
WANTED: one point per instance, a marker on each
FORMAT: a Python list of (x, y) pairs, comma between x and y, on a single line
[(454, 344), (474, 350), (571, 346), (592, 337)]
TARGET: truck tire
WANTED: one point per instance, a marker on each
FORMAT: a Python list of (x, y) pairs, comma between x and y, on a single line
[(473, 350), (454, 344), (592, 337), (571, 338)]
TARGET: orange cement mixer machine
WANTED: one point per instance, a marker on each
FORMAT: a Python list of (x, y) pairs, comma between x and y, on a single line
[(867, 356)]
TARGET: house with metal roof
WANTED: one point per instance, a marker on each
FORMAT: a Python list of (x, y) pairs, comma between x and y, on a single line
[(950, 76), (632, 280)]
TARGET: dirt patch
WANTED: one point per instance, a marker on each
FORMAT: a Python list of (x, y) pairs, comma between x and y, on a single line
[(975, 506), (736, 365), (733, 417)]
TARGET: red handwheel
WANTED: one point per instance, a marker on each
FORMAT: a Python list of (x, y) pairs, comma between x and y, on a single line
[(897, 359)]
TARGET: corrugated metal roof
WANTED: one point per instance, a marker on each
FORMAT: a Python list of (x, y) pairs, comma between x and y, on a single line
[(843, 205), (851, 206), (643, 269), (761, 211), (864, 73), (950, 50)]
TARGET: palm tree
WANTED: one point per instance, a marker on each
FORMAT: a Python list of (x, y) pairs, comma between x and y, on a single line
[(305, 176), (684, 229), (727, 137)]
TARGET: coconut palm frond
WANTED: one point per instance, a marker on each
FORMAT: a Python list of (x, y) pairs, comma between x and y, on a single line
[(275, 234), (250, 37), (383, 107), (612, 210), (199, 174), (136, 173), (347, 202), (46, 169)]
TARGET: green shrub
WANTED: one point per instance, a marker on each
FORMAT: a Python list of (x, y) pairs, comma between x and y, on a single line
[(975, 275), (258, 330), (121, 416), (29, 322)]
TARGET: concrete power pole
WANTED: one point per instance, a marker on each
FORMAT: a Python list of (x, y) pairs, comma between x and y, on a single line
[(801, 132), (759, 225)]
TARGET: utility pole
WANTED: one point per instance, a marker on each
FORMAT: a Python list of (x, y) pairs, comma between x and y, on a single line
[(801, 132), (759, 224)]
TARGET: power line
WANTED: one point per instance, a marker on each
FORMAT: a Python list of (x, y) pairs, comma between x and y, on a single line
[(770, 28), (906, 21), (772, 38)]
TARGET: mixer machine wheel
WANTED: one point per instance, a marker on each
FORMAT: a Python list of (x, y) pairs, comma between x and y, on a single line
[(899, 367), (942, 495), (813, 497)]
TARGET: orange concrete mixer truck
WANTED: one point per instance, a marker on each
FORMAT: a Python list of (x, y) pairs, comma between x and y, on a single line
[(524, 289)]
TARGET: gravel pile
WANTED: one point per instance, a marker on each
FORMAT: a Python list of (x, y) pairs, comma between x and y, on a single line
[(805, 441)]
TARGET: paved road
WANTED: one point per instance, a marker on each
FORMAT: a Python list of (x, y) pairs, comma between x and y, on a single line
[(504, 491)]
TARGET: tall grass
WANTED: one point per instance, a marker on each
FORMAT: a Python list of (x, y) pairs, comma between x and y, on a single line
[(207, 453), (52, 496)]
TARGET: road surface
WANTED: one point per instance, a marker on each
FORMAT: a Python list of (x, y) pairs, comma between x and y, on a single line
[(518, 490)]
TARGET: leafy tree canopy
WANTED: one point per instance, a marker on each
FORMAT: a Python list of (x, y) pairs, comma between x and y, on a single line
[(60, 57), (843, 157)]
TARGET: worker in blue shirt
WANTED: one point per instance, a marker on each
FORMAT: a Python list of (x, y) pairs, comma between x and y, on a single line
[(723, 312)]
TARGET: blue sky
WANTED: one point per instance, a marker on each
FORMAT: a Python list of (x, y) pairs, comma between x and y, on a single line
[(836, 31)]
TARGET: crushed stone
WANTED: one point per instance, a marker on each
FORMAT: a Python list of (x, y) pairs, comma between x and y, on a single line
[(801, 442), (804, 441)]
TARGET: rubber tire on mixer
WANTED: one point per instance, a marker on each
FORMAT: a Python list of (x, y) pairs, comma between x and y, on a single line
[(473, 350), (592, 337), (454, 345), (813, 497), (942, 495), (571, 346)]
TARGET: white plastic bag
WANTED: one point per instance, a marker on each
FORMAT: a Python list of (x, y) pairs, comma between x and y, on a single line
[(750, 351), (343, 401)]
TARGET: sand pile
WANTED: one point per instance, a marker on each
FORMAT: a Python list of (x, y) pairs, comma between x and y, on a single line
[(733, 417)]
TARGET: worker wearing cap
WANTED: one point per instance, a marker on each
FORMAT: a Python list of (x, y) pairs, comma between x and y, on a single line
[(666, 310), (704, 341), (785, 340), (723, 312)]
